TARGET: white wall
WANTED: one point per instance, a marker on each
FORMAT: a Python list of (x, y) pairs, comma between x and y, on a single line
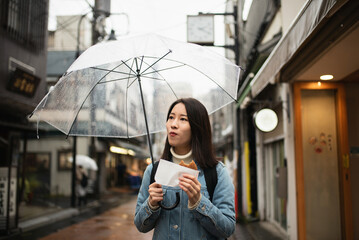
[(289, 152), (60, 180), (66, 33), (274, 28), (290, 10), (261, 185)]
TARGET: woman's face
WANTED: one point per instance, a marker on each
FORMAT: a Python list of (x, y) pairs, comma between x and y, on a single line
[(179, 129)]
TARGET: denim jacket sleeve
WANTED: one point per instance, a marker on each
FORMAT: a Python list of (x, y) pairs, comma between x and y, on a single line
[(145, 217), (218, 216)]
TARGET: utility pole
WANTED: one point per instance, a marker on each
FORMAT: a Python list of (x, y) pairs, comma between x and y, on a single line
[(101, 11)]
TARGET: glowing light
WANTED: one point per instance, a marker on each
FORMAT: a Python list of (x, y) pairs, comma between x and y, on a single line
[(131, 152), (319, 84), (148, 161), (326, 77), (121, 150), (266, 120)]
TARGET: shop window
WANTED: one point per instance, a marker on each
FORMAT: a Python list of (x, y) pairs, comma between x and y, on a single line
[(62, 160), (36, 162), (25, 21), (37, 177)]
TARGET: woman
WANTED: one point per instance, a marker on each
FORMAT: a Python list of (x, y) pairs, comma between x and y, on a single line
[(188, 137)]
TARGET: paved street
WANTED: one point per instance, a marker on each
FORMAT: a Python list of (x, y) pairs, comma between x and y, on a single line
[(113, 219), (116, 223)]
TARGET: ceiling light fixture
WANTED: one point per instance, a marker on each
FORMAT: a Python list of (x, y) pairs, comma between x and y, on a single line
[(326, 77)]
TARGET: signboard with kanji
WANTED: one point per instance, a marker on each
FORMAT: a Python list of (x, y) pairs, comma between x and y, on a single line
[(23, 83)]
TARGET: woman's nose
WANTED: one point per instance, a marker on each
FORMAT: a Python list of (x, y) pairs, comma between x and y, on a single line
[(174, 123)]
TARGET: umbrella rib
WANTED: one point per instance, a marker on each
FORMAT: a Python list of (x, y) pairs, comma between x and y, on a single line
[(201, 73), (83, 102), (126, 96), (160, 79), (117, 79), (155, 71), (103, 69), (141, 62), (164, 69), (128, 86), (130, 68), (169, 51)]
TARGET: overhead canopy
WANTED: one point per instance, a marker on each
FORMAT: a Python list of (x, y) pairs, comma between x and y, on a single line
[(139, 151), (310, 16)]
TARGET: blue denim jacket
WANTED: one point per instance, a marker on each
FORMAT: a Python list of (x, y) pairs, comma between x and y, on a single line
[(210, 220)]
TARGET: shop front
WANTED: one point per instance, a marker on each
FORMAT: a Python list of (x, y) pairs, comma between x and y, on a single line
[(314, 68)]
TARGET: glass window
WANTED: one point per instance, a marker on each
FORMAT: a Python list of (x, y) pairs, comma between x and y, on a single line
[(36, 162), (63, 163), (25, 21)]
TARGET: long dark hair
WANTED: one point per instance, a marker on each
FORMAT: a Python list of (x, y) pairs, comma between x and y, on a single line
[(201, 142)]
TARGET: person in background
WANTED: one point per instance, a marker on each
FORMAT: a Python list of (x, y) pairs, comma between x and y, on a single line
[(189, 138), (81, 184)]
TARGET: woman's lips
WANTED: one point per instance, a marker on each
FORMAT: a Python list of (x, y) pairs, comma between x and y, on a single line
[(172, 134)]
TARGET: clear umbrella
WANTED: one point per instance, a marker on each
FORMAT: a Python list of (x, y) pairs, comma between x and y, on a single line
[(124, 88), (85, 162)]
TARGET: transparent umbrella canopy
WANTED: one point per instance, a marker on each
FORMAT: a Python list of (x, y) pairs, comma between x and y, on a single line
[(99, 94), (124, 88)]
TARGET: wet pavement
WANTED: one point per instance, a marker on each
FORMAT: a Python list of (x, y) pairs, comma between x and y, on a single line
[(116, 223), (112, 218)]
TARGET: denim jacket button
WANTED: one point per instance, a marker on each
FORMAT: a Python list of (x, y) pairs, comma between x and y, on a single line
[(203, 208), (175, 226)]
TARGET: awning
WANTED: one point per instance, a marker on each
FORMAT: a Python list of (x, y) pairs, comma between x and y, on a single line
[(313, 12), (139, 151), (18, 126)]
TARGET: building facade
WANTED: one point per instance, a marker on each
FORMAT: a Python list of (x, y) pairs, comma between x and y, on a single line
[(304, 171), (23, 41)]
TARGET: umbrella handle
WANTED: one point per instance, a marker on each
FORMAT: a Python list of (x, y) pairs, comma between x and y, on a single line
[(174, 205)]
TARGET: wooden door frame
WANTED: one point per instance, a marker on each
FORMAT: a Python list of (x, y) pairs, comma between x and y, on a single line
[(343, 150)]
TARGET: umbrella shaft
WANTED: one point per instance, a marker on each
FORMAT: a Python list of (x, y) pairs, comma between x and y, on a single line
[(145, 115)]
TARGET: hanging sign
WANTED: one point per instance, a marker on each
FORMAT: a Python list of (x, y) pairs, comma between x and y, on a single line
[(266, 120), (23, 83)]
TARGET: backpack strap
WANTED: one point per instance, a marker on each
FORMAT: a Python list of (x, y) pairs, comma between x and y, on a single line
[(210, 175)]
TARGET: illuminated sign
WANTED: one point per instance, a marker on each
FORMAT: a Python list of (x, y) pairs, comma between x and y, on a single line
[(266, 120), (23, 83)]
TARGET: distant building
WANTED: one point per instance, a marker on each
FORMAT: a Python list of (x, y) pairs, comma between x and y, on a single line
[(23, 56)]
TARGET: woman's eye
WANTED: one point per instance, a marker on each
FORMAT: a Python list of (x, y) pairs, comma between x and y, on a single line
[(183, 119), (170, 117)]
